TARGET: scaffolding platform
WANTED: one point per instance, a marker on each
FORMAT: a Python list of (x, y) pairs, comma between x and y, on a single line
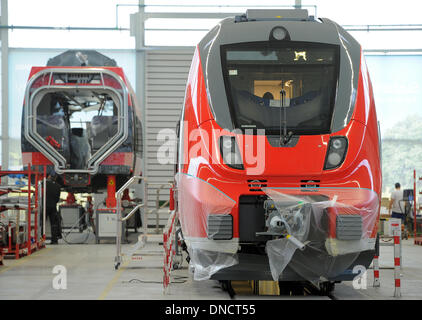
[(22, 214)]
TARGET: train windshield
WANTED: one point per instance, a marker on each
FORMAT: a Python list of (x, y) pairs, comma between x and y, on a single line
[(262, 78), (77, 122)]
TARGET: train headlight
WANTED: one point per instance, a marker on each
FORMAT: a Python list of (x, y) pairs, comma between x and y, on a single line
[(337, 143), (334, 159), (279, 33), (336, 152), (230, 152)]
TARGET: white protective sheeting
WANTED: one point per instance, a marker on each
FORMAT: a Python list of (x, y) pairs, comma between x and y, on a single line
[(209, 239), (334, 226)]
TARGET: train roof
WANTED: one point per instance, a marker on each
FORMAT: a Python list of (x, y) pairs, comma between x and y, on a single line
[(117, 70), (81, 58)]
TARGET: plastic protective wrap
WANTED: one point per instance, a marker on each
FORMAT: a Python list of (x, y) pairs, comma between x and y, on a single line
[(280, 252), (54, 129), (80, 149), (103, 129), (207, 225), (330, 227)]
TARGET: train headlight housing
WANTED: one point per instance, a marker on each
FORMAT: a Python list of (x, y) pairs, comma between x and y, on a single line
[(279, 33), (230, 152), (336, 152)]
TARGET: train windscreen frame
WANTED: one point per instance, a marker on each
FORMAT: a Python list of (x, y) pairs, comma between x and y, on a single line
[(255, 74), (77, 122)]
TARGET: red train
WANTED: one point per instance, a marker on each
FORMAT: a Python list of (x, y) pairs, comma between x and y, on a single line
[(81, 120), (278, 169)]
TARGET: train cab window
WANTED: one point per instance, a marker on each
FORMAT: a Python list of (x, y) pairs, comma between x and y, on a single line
[(261, 78), (77, 123)]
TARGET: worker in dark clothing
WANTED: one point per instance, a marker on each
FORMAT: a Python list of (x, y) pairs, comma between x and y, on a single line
[(53, 197)]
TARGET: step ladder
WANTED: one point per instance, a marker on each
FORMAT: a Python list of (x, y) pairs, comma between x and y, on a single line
[(134, 252), (142, 239)]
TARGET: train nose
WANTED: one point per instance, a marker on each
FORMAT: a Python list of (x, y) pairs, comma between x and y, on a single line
[(304, 155)]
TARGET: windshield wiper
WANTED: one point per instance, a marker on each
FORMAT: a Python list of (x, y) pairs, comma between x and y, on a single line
[(284, 136)]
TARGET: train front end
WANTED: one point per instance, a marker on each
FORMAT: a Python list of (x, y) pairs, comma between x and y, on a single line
[(79, 120), (278, 174)]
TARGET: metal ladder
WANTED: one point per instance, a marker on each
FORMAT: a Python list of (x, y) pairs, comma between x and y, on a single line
[(143, 238)]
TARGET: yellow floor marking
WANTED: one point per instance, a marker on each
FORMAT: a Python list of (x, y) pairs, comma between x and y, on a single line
[(113, 281), (21, 260)]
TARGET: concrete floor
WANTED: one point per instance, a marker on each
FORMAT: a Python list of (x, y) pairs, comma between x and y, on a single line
[(91, 275)]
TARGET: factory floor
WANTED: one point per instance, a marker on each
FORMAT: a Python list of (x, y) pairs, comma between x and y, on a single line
[(90, 275)]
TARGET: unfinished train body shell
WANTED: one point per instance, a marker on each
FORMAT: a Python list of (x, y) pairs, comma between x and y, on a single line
[(80, 119), (278, 173)]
